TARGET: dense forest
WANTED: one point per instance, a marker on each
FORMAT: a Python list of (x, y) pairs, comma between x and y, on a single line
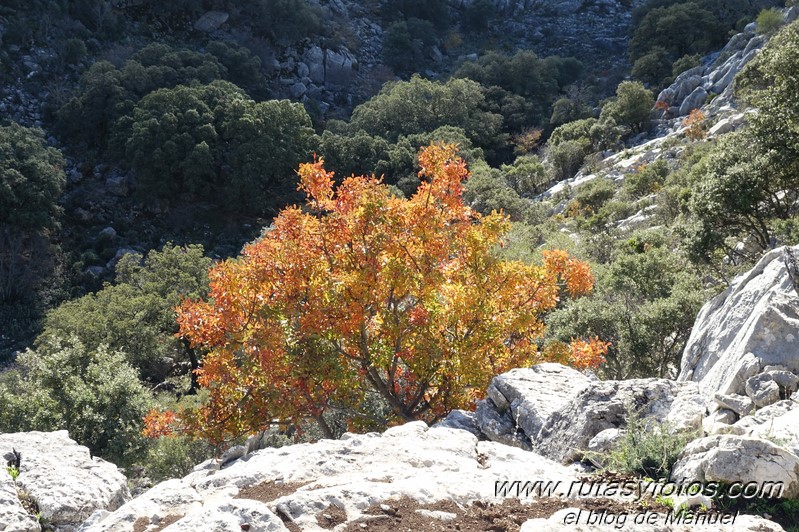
[(143, 144)]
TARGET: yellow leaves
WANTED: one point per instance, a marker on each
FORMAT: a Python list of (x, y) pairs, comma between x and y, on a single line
[(316, 183), (375, 287), (575, 274), (695, 125)]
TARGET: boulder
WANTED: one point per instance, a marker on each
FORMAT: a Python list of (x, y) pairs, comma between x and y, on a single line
[(762, 390), (719, 421), (210, 21), (533, 394), (298, 482), (498, 425), (729, 458), (765, 416), (751, 325), (782, 430), (740, 404), (339, 68), (460, 419), (695, 100), (62, 478), (314, 58), (607, 405)]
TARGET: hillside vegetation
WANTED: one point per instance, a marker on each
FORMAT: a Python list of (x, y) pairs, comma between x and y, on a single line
[(143, 144)]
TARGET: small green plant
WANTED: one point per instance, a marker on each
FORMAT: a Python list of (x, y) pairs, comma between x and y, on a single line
[(648, 447), (14, 472), (769, 21)]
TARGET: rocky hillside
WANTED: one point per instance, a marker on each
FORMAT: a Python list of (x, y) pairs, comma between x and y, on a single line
[(524, 445)]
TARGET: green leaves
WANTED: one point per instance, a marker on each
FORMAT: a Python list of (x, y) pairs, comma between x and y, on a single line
[(31, 179), (93, 393)]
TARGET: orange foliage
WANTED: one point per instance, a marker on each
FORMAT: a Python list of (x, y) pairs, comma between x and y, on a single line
[(695, 125), (367, 291)]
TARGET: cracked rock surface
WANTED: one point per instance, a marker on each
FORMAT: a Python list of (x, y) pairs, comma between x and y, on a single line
[(425, 464)]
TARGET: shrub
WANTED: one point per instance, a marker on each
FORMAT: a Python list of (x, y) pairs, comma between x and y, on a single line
[(136, 315), (646, 179), (93, 393), (646, 449), (211, 143), (631, 107), (420, 106), (527, 175), (769, 21), (565, 159)]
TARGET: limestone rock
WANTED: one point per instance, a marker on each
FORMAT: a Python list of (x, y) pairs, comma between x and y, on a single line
[(751, 325), (533, 394), (719, 421), (695, 100), (766, 415), (740, 404), (728, 459), (498, 426), (64, 480), (13, 516), (425, 464), (460, 419), (210, 21), (762, 390), (605, 405), (782, 430)]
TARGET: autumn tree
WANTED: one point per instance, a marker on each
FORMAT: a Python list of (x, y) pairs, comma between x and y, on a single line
[(360, 292)]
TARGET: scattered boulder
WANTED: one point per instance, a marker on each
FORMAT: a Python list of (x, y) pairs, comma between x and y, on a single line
[(531, 395), (460, 419), (762, 390), (66, 483), (695, 100), (739, 404), (498, 425), (729, 458), (210, 21), (606, 405)]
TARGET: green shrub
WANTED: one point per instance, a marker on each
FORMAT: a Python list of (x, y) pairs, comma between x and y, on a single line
[(74, 51), (93, 393), (565, 159), (211, 143), (631, 107), (646, 179), (136, 315), (769, 21), (486, 191), (420, 106), (527, 175), (646, 449)]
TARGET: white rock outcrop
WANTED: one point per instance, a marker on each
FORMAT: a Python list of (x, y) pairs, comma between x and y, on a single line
[(520, 401), (605, 405), (66, 483), (13, 516), (425, 464), (729, 459), (751, 325)]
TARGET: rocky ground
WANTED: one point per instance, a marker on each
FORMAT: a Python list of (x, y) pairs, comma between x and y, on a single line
[(515, 464)]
